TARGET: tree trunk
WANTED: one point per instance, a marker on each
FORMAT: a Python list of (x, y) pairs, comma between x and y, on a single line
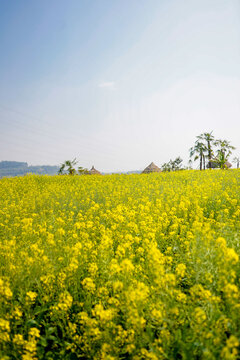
[(201, 162), (209, 155), (204, 165)]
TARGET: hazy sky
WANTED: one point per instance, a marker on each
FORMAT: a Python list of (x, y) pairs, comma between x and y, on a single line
[(117, 83)]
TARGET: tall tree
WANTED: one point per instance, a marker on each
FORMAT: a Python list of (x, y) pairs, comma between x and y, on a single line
[(209, 140), (198, 151)]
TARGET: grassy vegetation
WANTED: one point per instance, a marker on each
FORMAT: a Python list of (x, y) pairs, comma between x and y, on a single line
[(120, 266)]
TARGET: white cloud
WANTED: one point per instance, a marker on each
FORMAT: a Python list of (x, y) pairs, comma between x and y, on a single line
[(107, 85)]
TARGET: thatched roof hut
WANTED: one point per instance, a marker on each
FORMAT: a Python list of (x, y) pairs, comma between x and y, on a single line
[(151, 168), (93, 171)]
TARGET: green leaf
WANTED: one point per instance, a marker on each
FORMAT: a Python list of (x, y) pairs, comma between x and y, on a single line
[(43, 342), (32, 323)]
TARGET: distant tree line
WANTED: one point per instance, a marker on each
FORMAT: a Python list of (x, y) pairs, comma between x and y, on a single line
[(173, 165), (210, 152)]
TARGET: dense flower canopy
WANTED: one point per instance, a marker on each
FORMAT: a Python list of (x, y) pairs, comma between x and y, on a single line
[(120, 266)]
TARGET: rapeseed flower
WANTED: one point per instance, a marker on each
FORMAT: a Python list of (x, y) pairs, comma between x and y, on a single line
[(119, 266)]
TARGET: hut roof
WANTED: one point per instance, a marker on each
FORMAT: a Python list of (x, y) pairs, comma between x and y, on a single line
[(93, 171), (151, 168)]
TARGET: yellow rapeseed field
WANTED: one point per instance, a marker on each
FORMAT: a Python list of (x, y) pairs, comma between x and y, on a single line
[(120, 266)]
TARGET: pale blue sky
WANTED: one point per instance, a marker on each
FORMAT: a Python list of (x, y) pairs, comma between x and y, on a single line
[(116, 83)]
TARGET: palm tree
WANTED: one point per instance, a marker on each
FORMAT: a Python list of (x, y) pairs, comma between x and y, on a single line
[(69, 166), (208, 138), (237, 161), (198, 150), (224, 151)]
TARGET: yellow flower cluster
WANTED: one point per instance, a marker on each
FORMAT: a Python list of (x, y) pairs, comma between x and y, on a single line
[(120, 266)]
